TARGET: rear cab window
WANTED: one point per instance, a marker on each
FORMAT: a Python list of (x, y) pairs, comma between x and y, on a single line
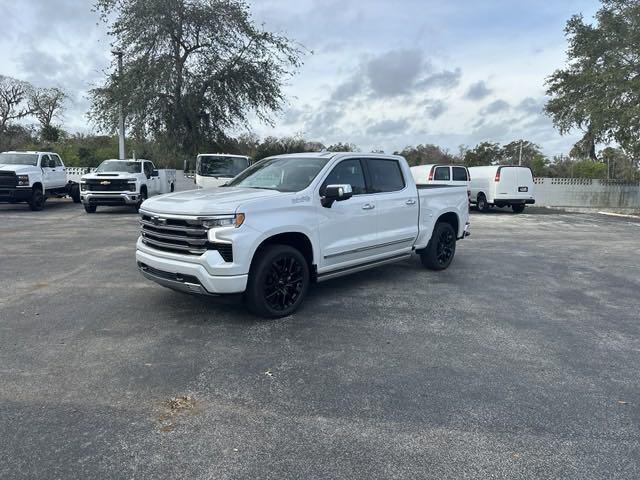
[(385, 175)]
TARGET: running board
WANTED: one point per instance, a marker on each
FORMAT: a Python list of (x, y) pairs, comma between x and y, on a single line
[(360, 267)]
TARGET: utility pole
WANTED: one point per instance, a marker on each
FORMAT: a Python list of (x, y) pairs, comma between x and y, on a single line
[(121, 154), (520, 154)]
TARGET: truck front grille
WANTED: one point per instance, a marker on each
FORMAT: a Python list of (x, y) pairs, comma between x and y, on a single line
[(108, 185), (187, 237), (8, 180)]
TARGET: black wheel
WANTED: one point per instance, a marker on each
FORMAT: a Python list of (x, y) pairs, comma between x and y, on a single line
[(75, 193), (36, 203), (90, 208), (518, 208), (173, 187), (278, 282), (441, 249), (143, 197), (482, 204)]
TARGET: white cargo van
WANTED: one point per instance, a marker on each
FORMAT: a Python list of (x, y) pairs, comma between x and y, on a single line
[(501, 186), (214, 170), (441, 175)]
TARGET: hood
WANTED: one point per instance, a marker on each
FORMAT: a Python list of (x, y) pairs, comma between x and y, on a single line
[(108, 175), (19, 169), (207, 201)]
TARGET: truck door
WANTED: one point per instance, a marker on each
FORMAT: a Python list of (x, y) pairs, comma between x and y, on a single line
[(347, 230), (396, 203), (48, 174), (59, 171), (152, 182)]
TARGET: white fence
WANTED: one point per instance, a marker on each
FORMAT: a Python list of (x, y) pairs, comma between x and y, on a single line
[(587, 193)]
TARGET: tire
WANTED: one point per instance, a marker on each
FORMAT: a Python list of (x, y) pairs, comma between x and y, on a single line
[(278, 282), (143, 197), (90, 208), (482, 204), (36, 202), (75, 193), (518, 208), (441, 249), (173, 187)]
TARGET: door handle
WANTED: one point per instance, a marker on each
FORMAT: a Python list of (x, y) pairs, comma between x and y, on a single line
[(411, 201), (368, 206)]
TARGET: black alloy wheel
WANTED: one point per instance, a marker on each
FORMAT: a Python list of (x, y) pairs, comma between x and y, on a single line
[(278, 281), (441, 249)]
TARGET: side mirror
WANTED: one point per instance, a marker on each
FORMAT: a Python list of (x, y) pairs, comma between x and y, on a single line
[(154, 173), (336, 193)]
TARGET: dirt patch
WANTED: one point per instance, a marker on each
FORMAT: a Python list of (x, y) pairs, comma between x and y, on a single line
[(173, 409)]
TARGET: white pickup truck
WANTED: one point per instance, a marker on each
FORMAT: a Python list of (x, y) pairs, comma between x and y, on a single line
[(124, 182), (290, 220), (32, 177)]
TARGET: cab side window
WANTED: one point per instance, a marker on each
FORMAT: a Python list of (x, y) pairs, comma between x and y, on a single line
[(148, 169), (460, 174), (442, 173), (45, 162), (56, 160), (385, 175), (347, 172)]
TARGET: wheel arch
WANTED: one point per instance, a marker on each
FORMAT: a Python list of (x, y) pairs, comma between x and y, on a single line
[(298, 240), (39, 186), (452, 219)]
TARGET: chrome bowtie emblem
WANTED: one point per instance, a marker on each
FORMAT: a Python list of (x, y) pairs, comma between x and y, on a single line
[(105, 182), (159, 221)]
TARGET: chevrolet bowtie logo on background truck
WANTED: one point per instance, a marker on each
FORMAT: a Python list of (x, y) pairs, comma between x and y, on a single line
[(158, 221), (106, 182)]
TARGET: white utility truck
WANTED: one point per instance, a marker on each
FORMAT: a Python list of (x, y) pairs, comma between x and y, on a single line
[(291, 220), (32, 177), (214, 170), (501, 186), (124, 182)]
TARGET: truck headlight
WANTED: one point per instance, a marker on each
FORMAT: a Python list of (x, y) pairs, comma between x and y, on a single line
[(223, 221), (132, 186), (84, 186), (23, 180)]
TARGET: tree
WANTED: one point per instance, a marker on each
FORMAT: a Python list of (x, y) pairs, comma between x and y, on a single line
[(47, 104), (485, 153), (526, 153), (278, 146), (426, 154), (343, 147), (14, 100), (599, 90), (192, 69), (619, 165)]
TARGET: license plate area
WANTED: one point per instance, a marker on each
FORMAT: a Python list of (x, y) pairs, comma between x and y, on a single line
[(523, 189)]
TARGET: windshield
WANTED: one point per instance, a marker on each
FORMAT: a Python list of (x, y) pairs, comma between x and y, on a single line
[(18, 159), (120, 166), (282, 174), (214, 166)]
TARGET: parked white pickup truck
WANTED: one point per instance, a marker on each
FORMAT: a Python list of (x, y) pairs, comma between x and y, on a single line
[(124, 182), (32, 177), (291, 220)]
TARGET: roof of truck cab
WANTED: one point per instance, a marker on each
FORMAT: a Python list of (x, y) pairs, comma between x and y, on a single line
[(126, 160), (30, 152), (221, 155), (335, 154)]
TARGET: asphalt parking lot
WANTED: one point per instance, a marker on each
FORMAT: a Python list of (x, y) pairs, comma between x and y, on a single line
[(520, 361)]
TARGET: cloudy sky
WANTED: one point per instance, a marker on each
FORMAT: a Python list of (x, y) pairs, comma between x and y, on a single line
[(383, 74)]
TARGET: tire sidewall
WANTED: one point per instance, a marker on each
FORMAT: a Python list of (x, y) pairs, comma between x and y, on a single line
[(482, 203), (429, 257), (37, 200), (254, 296)]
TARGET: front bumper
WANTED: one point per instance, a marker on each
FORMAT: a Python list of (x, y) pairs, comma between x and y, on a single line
[(187, 276), (17, 194), (109, 198)]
